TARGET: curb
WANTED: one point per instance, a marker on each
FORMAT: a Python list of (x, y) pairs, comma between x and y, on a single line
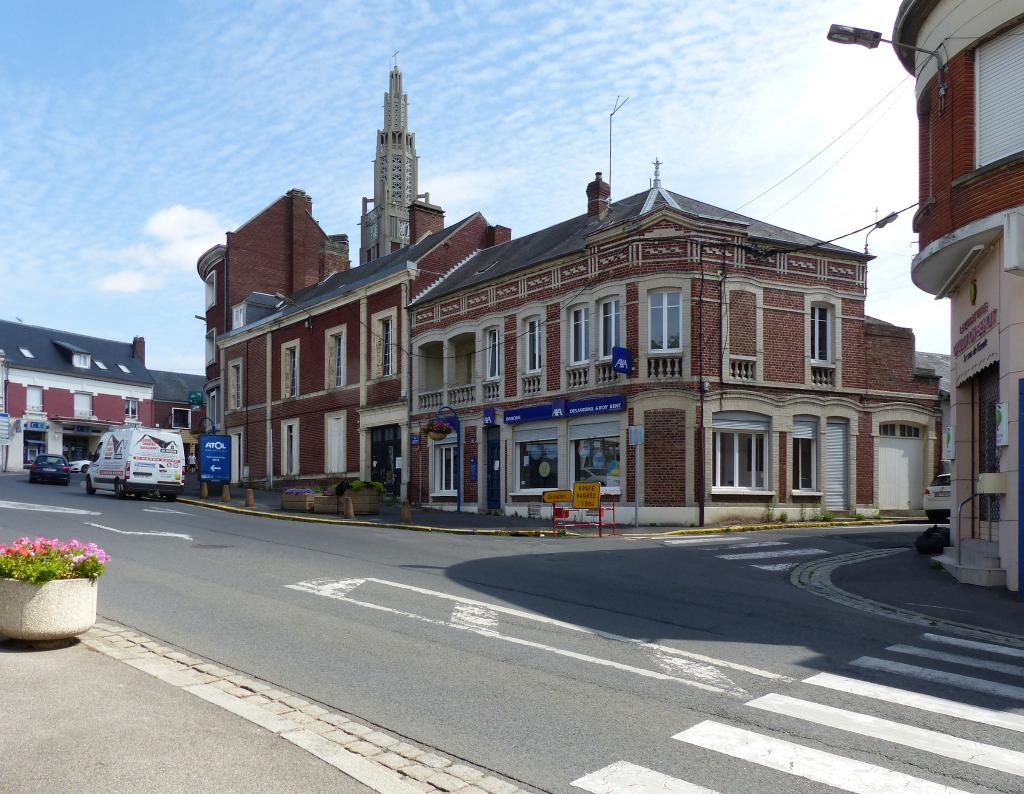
[(816, 577), (867, 522)]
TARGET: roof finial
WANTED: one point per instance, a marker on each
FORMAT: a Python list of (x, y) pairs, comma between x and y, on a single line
[(657, 173), (394, 59)]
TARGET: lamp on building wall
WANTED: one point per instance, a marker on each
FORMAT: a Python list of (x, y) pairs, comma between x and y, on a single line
[(847, 34), (878, 225), (291, 302)]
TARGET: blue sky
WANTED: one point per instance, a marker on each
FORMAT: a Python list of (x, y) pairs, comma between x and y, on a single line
[(133, 135)]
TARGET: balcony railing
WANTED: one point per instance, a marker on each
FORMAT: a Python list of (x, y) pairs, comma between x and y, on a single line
[(431, 400), (531, 385), (665, 367), (823, 374), (743, 368), (603, 373), (491, 390), (462, 395), (577, 376)]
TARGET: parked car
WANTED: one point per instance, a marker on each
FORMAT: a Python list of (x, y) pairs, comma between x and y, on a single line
[(937, 499), (50, 468), (80, 465)]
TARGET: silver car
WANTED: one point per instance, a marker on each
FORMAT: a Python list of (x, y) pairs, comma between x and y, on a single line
[(937, 499)]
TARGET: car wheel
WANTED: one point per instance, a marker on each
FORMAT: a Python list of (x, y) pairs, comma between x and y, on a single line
[(85, 468), (119, 490), (89, 487), (67, 481)]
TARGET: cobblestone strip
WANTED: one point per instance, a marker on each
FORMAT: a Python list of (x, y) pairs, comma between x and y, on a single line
[(816, 578), (376, 759)]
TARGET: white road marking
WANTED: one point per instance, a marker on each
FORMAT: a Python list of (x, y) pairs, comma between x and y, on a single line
[(584, 630), (986, 647), (779, 566), (987, 755), (956, 658), (675, 665), (472, 616), (700, 539), (766, 555), (941, 677), (915, 700), (623, 777), (758, 544), (163, 510), (74, 511), (329, 588), (845, 774), (126, 532)]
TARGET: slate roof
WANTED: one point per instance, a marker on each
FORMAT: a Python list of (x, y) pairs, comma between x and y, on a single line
[(52, 351), (570, 236), (937, 363), (173, 387)]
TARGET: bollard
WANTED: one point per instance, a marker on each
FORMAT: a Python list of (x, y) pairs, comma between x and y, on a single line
[(406, 514), (204, 490), (349, 512), (250, 498), (225, 493)]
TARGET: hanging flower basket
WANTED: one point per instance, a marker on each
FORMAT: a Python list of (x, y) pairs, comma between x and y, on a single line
[(437, 429)]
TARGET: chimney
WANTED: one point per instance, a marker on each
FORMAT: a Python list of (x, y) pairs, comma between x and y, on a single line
[(598, 192), (496, 235), (424, 218), (334, 255), (139, 349)]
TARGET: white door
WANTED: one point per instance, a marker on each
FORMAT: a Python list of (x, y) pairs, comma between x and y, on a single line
[(900, 476), (837, 443), (336, 444)]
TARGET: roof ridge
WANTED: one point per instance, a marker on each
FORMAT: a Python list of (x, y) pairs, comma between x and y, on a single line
[(66, 332), (443, 276)]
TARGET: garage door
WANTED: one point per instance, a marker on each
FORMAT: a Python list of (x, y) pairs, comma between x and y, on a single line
[(900, 475)]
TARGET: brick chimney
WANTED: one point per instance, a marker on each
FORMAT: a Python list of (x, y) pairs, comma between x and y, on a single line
[(424, 218), (334, 255), (598, 192), (496, 235), (139, 349)]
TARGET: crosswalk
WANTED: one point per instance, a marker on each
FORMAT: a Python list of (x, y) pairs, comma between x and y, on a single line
[(764, 555), (883, 713)]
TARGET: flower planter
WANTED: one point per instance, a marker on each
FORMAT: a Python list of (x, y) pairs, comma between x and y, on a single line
[(435, 436), (298, 502), (57, 610), (365, 501), (325, 504)]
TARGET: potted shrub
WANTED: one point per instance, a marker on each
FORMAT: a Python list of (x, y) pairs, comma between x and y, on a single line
[(298, 499), (325, 500), (48, 588), (437, 429), (365, 496)]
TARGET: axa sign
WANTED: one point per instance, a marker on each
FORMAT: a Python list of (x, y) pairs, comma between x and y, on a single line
[(622, 360)]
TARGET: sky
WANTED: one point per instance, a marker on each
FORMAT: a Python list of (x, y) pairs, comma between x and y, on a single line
[(134, 135)]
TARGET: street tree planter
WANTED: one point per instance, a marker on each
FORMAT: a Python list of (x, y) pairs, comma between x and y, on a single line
[(365, 501), (325, 504), (300, 503), (57, 610)]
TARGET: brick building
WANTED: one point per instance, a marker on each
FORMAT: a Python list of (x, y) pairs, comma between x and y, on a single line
[(63, 390), (171, 407), (969, 66), (759, 382)]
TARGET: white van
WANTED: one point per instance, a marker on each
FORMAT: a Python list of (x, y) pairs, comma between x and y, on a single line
[(138, 460)]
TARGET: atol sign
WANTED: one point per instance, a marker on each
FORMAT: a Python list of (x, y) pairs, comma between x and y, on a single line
[(215, 458)]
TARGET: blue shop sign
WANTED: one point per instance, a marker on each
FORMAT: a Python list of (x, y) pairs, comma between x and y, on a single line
[(35, 426), (560, 409), (622, 359), (489, 416), (215, 458)]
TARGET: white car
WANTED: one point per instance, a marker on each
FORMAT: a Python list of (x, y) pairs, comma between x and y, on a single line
[(80, 465), (937, 499)]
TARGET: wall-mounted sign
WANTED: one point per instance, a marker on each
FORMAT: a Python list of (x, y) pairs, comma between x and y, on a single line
[(565, 408), (489, 416), (622, 359), (414, 439), (195, 399), (36, 426), (1002, 430), (948, 443), (472, 469)]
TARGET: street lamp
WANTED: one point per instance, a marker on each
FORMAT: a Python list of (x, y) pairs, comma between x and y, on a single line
[(457, 427), (878, 225), (847, 34)]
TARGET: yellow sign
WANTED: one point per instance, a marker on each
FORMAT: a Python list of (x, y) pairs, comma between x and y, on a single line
[(586, 495), (557, 496)]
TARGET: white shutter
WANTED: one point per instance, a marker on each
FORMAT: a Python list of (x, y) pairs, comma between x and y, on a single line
[(548, 433), (1000, 97), (836, 447), (805, 428), (739, 420), (594, 430)]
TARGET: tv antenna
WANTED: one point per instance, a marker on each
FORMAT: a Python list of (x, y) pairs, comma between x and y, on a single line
[(618, 105)]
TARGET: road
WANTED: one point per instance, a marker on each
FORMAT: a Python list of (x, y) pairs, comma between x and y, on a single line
[(566, 664)]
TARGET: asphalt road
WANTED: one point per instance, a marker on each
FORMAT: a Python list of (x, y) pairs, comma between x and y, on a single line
[(556, 660)]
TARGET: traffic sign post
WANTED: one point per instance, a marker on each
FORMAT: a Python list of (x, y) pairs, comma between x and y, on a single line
[(214, 458)]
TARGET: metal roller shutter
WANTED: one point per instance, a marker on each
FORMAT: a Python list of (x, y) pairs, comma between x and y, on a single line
[(836, 454), (1000, 97)]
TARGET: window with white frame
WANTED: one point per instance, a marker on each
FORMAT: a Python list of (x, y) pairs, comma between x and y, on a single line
[(181, 418), (290, 447), (493, 342), (444, 480), (665, 324), (580, 323), (805, 454), (83, 404), (211, 290), (740, 451), (131, 409), (211, 346), (899, 430), (213, 405), (34, 398), (610, 327), (290, 370), (999, 113), (238, 316), (80, 360), (336, 359), (595, 453), (235, 385), (387, 343), (533, 356), (821, 332)]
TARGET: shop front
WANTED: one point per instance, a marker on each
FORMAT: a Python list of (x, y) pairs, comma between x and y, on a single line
[(78, 442), (33, 439)]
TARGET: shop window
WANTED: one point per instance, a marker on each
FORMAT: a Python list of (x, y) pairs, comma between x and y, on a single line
[(821, 343), (538, 464), (181, 418), (34, 398), (131, 409), (444, 470), (533, 353), (664, 326), (493, 354), (597, 460), (580, 335), (610, 327)]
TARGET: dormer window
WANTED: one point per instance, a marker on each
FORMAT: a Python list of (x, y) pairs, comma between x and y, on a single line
[(81, 360), (124, 369), (26, 352), (238, 316)]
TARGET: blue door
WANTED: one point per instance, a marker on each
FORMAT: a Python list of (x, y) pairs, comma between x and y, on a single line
[(493, 469)]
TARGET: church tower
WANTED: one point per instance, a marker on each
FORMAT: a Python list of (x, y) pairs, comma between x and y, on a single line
[(384, 226)]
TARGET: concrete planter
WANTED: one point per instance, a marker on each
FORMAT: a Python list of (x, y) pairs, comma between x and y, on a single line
[(365, 501), (57, 610), (325, 504), (298, 502)]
